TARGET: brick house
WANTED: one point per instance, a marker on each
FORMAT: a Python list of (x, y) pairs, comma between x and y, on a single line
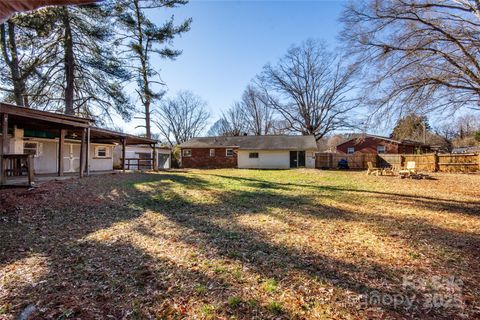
[(379, 145), (262, 152)]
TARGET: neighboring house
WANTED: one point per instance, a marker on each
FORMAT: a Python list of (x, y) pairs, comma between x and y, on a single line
[(252, 152), (466, 150), (144, 152), (379, 145)]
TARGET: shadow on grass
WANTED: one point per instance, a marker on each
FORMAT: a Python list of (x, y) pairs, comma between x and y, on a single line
[(92, 279), (429, 202)]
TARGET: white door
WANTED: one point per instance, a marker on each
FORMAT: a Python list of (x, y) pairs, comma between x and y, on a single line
[(71, 157)]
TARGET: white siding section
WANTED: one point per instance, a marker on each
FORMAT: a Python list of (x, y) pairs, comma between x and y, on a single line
[(271, 159), (46, 162), (101, 164), (267, 159)]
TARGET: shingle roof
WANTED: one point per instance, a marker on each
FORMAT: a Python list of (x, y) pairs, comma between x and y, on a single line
[(404, 141), (269, 142)]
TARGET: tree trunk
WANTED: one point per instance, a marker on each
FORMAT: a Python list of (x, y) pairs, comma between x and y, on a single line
[(147, 97), (19, 91), (69, 64), (147, 120)]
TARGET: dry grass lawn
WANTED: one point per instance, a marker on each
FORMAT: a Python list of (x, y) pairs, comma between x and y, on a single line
[(242, 244)]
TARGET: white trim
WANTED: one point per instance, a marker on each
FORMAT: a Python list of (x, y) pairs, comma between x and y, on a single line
[(98, 148), (226, 152), (38, 147), (187, 155)]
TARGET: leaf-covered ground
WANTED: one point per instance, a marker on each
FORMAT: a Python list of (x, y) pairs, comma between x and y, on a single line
[(242, 244)]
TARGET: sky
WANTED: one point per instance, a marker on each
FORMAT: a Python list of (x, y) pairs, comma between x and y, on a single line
[(230, 41)]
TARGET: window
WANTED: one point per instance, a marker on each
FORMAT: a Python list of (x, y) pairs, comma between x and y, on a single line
[(187, 152), (350, 150), (101, 152), (380, 149), (212, 152), (144, 155), (31, 147), (253, 155), (229, 152)]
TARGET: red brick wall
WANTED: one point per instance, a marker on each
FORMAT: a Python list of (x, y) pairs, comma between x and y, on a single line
[(201, 159), (368, 145)]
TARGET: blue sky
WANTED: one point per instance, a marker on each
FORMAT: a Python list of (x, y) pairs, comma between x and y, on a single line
[(230, 41)]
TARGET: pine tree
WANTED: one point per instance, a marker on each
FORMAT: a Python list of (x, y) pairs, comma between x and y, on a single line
[(411, 127), (143, 39), (21, 55), (78, 73), (86, 78)]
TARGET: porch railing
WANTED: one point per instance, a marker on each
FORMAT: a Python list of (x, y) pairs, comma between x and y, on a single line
[(16, 165), (138, 164)]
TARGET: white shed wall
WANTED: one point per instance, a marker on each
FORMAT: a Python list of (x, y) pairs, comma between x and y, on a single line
[(101, 164), (46, 161)]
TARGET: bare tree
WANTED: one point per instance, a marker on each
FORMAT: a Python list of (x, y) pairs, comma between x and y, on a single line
[(460, 131), (311, 89), (251, 115), (217, 128), (233, 121), (181, 118), (257, 113), (419, 55)]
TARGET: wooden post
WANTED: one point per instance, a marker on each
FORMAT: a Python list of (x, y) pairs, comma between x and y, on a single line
[(1, 151), (61, 150), (87, 160), (154, 157), (30, 170), (4, 148), (123, 154), (6, 140), (435, 161), (82, 153)]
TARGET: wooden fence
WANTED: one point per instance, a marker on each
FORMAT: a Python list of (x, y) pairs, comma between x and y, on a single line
[(355, 161), (458, 162), (424, 162)]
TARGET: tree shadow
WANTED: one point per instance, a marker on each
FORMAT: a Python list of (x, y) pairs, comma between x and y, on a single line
[(254, 249), (429, 202), (88, 278), (117, 278)]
